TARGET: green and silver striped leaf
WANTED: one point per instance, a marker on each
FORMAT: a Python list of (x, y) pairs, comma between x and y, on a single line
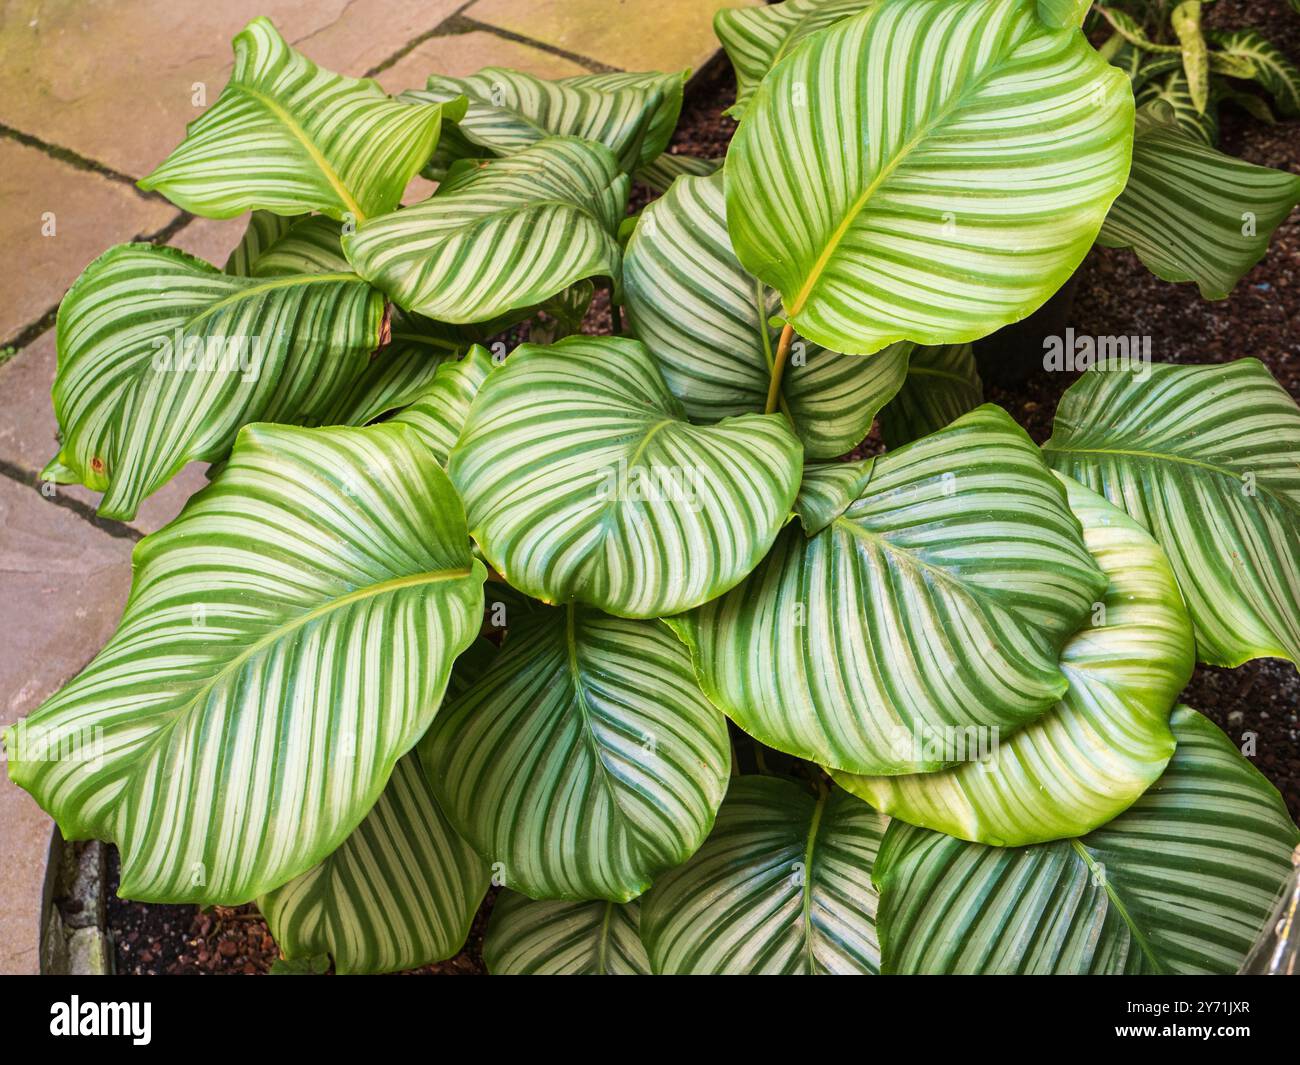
[(1104, 743), (1172, 91), (1182, 882), (707, 322), (400, 892), (584, 482), (401, 371), (286, 136), (1193, 213), (274, 244), (781, 887), (585, 761), (438, 413), (938, 600), (1204, 457), (551, 937), (942, 384), (162, 358), (633, 115), (286, 640), (499, 235), (828, 489), (754, 38), (1274, 70), (660, 173), (942, 217)]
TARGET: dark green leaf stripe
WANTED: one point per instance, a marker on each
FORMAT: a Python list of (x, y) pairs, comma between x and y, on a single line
[(288, 137), (1182, 882), (500, 235), (287, 639), (439, 411), (1105, 742), (706, 321), (942, 384), (1192, 213), (633, 115), (550, 937), (584, 482), (273, 245), (866, 236), (782, 886), (399, 893), (1204, 457), (585, 761), (162, 358), (938, 600), (756, 37)]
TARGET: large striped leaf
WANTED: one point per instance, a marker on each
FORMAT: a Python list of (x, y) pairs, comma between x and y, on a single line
[(1192, 213), (633, 115), (782, 886), (439, 411), (756, 37), (401, 371), (402, 889), (1172, 90), (707, 322), (1105, 742), (500, 235), (274, 244), (585, 761), (1204, 457), (584, 482), (288, 137), (942, 384), (162, 358), (936, 216), (937, 601), (287, 639), (551, 937), (400, 892), (1182, 882), (1273, 69)]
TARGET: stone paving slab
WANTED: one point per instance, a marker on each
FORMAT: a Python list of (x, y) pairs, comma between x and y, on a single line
[(458, 55), (113, 80), (87, 212), (28, 439), (664, 35), (64, 588)]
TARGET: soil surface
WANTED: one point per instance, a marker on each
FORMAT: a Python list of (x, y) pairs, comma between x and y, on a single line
[(1256, 705)]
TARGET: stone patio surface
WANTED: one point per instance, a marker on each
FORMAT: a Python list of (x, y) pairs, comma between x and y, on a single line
[(93, 94)]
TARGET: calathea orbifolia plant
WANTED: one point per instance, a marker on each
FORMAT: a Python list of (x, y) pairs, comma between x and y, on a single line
[(725, 704)]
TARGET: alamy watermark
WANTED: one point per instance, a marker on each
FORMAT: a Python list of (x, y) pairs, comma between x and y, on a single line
[(1083, 352), (178, 353)]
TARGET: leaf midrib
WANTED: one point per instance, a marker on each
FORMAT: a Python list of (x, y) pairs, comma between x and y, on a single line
[(267, 286), (1158, 456), (859, 205), (313, 153), (815, 824), (281, 631), (1099, 875)]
